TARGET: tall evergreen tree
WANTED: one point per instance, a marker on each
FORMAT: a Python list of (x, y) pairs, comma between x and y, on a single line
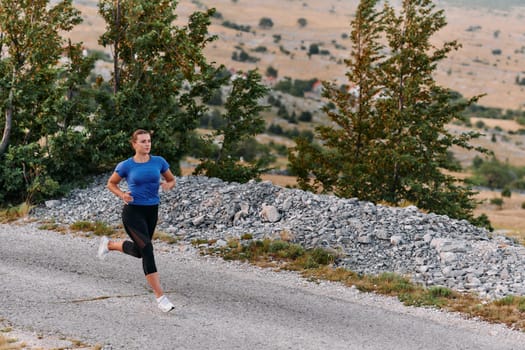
[(242, 122), (390, 142), (343, 165), (418, 110)]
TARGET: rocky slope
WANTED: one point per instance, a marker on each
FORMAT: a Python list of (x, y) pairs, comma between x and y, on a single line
[(430, 249)]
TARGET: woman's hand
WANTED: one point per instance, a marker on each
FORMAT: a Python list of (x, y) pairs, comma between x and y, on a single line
[(112, 185), (126, 197), (167, 182)]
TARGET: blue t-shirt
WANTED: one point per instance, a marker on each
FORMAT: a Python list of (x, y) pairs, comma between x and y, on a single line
[(143, 178)]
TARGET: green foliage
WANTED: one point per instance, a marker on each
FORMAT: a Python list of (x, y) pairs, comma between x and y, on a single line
[(242, 28), (60, 127), (161, 80), (302, 22), (271, 72), (306, 116), (296, 87), (314, 49), (242, 122), (98, 228), (38, 98), (243, 56), (265, 23), (390, 142), (497, 175), (497, 202)]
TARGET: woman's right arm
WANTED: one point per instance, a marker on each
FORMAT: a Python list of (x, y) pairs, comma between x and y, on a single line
[(112, 185)]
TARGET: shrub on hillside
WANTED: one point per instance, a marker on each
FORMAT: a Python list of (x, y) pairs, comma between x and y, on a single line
[(265, 23)]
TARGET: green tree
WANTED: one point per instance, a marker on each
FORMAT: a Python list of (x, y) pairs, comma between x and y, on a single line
[(242, 122), (31, 46), (418, 111), (344, 163), (161, 78), (33, 93), (391, 142)]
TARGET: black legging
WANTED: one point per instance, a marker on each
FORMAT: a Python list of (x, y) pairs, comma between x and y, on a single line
[(139, 222)]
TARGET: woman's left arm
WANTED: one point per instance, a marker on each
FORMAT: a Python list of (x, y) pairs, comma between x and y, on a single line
[(169, 180)]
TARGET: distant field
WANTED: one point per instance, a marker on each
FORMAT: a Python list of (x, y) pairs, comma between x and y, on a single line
[(481, 26), (491, 4)]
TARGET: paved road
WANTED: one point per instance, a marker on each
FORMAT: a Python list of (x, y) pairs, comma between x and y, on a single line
[(53, 283)]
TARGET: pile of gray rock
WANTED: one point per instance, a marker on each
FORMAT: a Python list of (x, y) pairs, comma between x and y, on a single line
[(433, 250)]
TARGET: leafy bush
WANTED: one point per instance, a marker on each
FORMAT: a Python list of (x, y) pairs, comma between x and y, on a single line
[(305, 116), (296, 87), (494, 174), (497, 202), (265, 23), (302, 22), (271, 72), (242, 28), (243, 56)]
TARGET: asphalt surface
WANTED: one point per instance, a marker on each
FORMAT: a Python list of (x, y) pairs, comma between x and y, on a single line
[(53, 283)]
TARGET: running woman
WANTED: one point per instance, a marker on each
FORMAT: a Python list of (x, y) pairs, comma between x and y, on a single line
[(144, 173)]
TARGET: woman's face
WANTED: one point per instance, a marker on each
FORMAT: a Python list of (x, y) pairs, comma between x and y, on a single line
[(142, 144)]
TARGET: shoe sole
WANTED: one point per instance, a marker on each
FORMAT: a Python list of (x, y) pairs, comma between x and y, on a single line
[(103, 251)]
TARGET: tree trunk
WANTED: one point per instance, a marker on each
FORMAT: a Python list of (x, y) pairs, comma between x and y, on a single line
[(116, 69), (8, 118)]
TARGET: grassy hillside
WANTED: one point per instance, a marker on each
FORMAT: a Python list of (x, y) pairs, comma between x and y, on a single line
[(490, 4), (492, 56)]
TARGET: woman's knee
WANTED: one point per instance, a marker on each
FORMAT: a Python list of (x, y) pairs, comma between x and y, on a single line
[(130, 248), (148, 259)]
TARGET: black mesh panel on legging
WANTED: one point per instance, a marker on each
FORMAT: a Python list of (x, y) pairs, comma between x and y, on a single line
[(131, 249), (139, 223)]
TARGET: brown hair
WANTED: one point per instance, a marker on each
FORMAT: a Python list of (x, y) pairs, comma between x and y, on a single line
[(138, 132)]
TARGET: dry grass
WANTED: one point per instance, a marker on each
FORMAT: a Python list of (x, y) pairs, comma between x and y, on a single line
[(14, 213), (9, 344), (472, 70), (316, 264), (508, 219)]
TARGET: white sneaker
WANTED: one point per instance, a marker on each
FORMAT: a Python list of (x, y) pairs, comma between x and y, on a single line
[(103, 249), (165, 304)]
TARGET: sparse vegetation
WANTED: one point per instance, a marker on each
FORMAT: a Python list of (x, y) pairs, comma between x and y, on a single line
[(498, 201), (272, 72), (242, 28), (302, 22), (165, 237), (265, 23), (243, 56), (317, 264), (97, 228), (496, 175), (10, 344), (15, 212)]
